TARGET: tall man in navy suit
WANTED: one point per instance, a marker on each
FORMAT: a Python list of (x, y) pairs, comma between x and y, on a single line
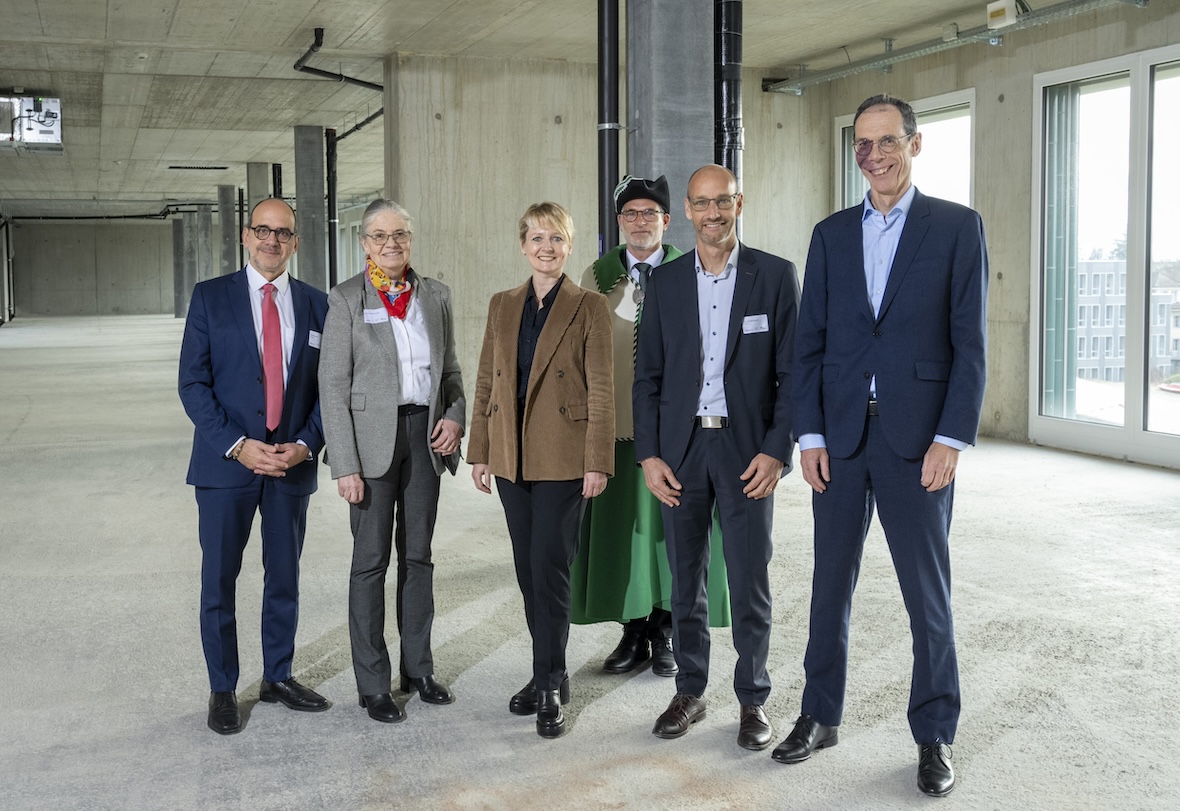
[(889, 376), (248, 367), (712, 409)]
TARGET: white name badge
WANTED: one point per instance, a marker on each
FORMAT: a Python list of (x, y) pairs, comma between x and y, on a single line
[(755, 323), (314, 338), (376, 316)]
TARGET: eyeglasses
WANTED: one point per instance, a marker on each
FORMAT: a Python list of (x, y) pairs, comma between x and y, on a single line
[(400, 237), (888, 145), (263, 231), (724, 202), (648, 214)]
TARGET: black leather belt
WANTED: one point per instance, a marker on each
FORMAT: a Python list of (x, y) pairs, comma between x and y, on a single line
[(711, 422), (411, 410), (873, 408)]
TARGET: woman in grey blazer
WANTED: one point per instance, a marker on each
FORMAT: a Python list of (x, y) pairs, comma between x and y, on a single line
[(391, 398)]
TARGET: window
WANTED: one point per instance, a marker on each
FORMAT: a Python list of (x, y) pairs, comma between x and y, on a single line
[(1105, 210), (1094, 347), (946, 165), (1081, 348), (1093, 315)]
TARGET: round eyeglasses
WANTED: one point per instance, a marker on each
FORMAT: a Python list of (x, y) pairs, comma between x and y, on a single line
[(264, 231), (888, 144)]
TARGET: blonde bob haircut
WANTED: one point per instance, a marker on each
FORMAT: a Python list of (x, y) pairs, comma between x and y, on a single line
[(548, 215)]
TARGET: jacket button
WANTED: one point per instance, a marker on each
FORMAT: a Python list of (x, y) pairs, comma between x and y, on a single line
[(495, 408), (877, 334), (260, 380), (560, 374), (497, 373), (261, 413), (868, 375), (562, 409)]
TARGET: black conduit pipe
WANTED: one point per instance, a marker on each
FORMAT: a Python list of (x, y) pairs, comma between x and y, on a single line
[(727, 77), (301, 65), (330, 141), (608, 122)]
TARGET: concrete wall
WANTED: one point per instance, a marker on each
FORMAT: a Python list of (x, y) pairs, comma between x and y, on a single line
[(478, 141), (82, 268), (1003, 82)]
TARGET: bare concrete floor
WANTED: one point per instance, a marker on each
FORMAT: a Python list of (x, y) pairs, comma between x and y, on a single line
[(1066, 603)]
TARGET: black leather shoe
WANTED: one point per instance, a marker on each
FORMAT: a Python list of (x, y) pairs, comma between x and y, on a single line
[(682, 712), (383, 708), (663, 663), (936, 774), (632, 651), (224, 718), (293, 695), (525, 701), (807, 736), (429, 689), (754, 730), (550, 718)]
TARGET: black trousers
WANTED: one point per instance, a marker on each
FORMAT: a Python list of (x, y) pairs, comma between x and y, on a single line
[(544, 519)]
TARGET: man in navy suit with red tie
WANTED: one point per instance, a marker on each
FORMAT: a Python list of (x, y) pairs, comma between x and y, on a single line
[(889, 375), (248, 371)]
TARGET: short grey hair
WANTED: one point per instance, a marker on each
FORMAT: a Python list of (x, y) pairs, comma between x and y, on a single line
[(381, 205)]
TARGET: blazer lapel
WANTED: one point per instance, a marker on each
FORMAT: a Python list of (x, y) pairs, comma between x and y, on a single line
[(299, 305), (381, 331), (565, 307), (433, 318), (917, 223), (747, 274), (240, 305)]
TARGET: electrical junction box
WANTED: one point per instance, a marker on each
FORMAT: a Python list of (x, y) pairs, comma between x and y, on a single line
[(1001, 13), (31, 124)]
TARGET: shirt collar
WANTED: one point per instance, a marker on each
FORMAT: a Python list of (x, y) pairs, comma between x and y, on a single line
[(655, 260), (902, 209), (256, 280), (730, 263), (549, 297)]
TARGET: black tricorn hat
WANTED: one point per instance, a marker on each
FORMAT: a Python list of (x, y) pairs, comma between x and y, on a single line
[(640, 188)]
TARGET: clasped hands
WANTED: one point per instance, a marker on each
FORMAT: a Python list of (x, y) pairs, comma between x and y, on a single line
[(272, 460)]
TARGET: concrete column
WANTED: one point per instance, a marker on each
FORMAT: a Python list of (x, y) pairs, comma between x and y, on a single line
[(192, 273), (392, 129), (181, 289), (311, 211), (227, 229), (206, 263), (257, 184), (670, 97)]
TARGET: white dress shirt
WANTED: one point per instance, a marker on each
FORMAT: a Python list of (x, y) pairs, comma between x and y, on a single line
[(714, 304)]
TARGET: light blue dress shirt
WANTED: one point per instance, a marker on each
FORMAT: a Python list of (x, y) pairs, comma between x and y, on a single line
[(714, 304)]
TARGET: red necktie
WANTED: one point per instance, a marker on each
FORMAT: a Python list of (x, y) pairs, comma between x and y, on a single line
[(272, 357)]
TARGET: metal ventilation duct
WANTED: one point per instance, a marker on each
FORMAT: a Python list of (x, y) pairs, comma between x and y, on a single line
[(1030, 19)]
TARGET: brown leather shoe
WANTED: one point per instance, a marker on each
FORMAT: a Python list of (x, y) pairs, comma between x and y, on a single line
[(754, 730), (936, 774), (807, 736), (682, 712)]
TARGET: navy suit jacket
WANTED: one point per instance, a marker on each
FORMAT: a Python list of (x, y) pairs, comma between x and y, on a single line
[(926, 347), (221, 382), (668, 363)]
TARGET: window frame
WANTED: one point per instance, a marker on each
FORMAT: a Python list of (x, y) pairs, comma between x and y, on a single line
[(1131, 440)]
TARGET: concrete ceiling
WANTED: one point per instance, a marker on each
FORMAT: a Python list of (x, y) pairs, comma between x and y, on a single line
[(147, 84)]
